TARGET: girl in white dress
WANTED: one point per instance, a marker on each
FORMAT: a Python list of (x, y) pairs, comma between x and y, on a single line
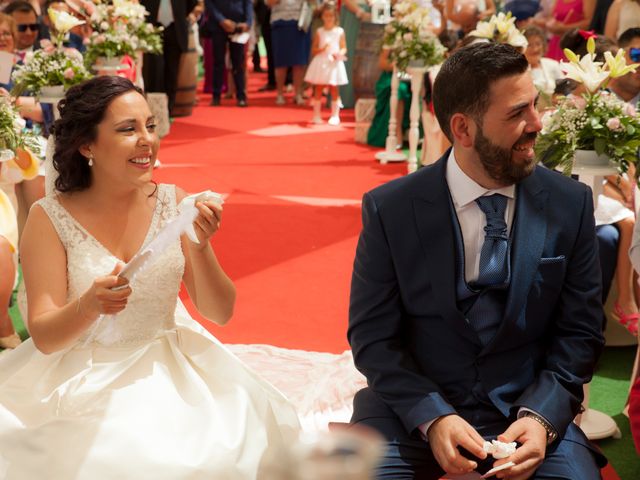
[(140, 392), (327, 68)]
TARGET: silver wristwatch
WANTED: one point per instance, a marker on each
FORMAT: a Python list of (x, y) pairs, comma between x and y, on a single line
[(551, 433)]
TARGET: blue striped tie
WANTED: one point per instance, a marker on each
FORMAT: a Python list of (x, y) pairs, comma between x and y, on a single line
[(494, 256)]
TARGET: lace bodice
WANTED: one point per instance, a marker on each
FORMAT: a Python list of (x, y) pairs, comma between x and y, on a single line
[(151, 307)]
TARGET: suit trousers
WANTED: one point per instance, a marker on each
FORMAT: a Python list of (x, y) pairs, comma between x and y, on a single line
[(408, 456), (220, 40), (160, 72)]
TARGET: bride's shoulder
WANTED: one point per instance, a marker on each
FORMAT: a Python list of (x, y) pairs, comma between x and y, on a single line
[(180, 193)]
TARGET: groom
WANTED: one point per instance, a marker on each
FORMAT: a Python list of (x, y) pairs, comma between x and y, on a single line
[(475, 298)]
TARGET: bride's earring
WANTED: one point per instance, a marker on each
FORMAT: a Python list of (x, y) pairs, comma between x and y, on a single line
[(91, 160)]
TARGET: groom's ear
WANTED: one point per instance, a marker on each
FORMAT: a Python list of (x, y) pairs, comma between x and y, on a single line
[(462, 129)]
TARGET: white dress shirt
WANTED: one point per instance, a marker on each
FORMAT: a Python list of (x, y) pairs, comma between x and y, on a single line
[(472, 220)]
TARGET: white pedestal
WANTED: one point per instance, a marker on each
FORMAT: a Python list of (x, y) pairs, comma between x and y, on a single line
[(391, 153), (417, 78), (595, 424)]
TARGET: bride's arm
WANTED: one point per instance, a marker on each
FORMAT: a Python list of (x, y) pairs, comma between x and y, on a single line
[(54, 323), (210, 289)]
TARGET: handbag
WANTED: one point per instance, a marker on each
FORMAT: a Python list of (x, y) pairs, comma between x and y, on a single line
[(305, 17)]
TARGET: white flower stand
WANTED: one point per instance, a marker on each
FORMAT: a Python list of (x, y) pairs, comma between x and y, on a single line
[(391, 153), (417, 78)]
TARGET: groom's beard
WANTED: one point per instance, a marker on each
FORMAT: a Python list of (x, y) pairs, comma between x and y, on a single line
[(498, 162)]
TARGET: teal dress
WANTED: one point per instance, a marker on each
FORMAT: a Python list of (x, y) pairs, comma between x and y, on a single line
[(351, 25), (379, 128)]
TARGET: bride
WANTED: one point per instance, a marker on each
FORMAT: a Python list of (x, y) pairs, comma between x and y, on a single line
[(110, 385)]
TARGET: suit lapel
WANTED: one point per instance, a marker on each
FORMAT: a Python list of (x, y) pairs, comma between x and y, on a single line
[(432, 215), (529, 232)]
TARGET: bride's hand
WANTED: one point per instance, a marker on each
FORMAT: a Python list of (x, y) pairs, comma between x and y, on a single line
[(101, 299), (207, 222)]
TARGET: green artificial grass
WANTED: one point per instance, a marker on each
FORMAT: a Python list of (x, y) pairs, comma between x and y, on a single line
[(609, 391)]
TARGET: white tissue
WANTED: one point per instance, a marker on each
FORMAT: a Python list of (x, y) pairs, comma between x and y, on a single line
[(190, 201), (499, 449)]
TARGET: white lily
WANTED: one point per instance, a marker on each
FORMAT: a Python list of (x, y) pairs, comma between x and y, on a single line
[(517, 39), (484, 30), (618, 65), (504, 23), (62, 21), (586, 71)]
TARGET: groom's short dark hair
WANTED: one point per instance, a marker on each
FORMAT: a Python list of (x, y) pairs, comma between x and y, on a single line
[(464, 81)]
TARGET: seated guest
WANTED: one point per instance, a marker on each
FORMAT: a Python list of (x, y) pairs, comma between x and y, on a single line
[(27, 25), (622, 15), (22, 167), (566, 16), (544, 71), (71, 40), (475, 308)]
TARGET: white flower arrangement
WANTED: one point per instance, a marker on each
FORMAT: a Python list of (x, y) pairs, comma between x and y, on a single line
[(409, 36), (119, 28), (500, 28), (597, 120), (13, 135), (53, 64)]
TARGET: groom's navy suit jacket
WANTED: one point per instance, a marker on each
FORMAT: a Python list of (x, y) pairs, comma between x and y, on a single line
[(421, 357)]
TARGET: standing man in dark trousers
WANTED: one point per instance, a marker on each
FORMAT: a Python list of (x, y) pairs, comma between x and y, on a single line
[(160, 72), (263, 17), (227, 20)]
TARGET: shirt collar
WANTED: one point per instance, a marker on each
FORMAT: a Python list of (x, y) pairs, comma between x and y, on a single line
[(464, 190)]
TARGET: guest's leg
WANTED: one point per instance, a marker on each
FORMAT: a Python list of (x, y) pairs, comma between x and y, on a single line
[(608, 239), (172, 55), (298, 78), (624, 269), (281, 73), (238, 62), (219, 43), (266, 35)]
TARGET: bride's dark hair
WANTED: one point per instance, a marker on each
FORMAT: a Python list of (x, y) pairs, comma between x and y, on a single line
[(81, 110)]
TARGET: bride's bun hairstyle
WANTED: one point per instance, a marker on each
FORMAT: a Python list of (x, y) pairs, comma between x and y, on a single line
[(81, 110)]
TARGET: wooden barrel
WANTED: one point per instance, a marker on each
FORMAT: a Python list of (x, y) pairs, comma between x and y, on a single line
[(366, 70), (187, 80)]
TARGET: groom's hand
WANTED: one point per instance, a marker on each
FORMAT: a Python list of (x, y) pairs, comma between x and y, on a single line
[(448, 433), (533, 439)]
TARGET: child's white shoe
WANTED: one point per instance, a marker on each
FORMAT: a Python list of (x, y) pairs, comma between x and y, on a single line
[(335, 113), (280, 100)]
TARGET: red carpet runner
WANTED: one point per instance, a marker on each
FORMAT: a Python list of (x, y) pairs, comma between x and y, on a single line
[(292, 216)]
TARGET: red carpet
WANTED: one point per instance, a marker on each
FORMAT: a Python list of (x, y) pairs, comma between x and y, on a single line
[(292, 216)]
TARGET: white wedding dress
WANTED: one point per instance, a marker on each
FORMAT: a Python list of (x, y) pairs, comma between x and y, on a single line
[(145, 394)]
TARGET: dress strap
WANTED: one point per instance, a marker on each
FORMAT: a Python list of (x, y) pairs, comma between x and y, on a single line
[(167, 202), (67, 229)]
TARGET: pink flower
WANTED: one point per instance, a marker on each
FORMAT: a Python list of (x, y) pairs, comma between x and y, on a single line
[(630, 110), (99, 39), (580, 102), (613, 123), (69, 73), (47, 46)]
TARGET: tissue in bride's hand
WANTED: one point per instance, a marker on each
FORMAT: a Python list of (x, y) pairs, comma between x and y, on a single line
[(169, 234), (191, 200), (499, 449)]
